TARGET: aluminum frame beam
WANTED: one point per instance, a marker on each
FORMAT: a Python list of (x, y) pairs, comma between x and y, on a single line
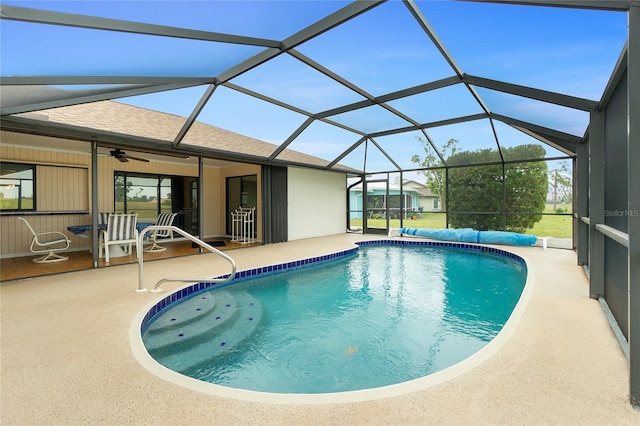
[(581, 188), (67, 99), (388, 157), (532, 93), (38, 16), (345, 14), (428, 29), (431, 124), (68, 80), (422, 88), (290, 107), (633, 198), (616, 75), (370, 100), (615, 5), (346, 152), (194, 114), (596, 203), (291, 138), (265, 98), (327, 72), (559, 140), (95, 209)]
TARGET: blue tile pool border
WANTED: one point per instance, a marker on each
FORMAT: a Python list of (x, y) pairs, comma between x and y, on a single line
[(263, 271), (465, 246)]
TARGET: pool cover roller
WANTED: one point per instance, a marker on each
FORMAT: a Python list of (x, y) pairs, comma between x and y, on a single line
[(469, 235)]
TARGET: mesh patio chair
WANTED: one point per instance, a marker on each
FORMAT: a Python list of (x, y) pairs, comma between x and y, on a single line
[(50, 242), (121, 230), (165, 219)]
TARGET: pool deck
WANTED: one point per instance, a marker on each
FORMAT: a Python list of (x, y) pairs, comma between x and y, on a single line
[(66, 356)]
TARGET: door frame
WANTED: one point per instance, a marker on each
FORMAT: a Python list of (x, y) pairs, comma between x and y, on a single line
[(367, 212)]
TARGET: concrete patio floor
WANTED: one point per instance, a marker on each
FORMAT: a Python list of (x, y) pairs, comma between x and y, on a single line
[(66, 356)]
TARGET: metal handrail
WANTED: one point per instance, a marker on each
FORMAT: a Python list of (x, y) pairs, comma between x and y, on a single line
[(185, 234)]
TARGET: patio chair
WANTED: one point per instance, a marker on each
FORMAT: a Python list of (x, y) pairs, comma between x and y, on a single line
[(121, 230), (165, 219), (50, 242), (103, 218)]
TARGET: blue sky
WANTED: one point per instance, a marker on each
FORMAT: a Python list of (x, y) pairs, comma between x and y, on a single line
[(564, 50)]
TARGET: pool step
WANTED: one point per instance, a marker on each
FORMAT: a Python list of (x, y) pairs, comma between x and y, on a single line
[(188, 311), (189, 322), (230, 321)]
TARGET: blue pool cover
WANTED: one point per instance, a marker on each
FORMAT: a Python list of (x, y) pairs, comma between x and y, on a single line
[(469, 235)]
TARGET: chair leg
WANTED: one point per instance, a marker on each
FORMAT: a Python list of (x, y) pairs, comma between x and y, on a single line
[(101, 245), (50, 258), (155, 247)]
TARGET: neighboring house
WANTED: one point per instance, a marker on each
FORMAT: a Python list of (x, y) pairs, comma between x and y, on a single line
[(426, 199), (378, 202)]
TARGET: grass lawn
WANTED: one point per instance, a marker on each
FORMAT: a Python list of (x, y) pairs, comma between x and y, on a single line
[(145, 209), (558, 226), (553, 226)]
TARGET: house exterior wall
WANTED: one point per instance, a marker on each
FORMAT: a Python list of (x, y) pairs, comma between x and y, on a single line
[(427, 204), (426, 201), (62, 185), (63, 191), (317, 203)]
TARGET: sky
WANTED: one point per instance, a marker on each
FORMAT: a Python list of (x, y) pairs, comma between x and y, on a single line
[(569, 51)]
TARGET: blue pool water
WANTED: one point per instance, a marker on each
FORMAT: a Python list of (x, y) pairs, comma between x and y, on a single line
[(385, 315)]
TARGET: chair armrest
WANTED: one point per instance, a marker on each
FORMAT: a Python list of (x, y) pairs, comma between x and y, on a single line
[(51, 237)]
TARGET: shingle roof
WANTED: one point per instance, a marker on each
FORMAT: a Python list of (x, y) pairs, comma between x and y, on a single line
[(132, 121)]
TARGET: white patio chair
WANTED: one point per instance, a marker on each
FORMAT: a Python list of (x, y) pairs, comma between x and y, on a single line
[(121, 230), (165, 219), (103, 217), (50, 242)]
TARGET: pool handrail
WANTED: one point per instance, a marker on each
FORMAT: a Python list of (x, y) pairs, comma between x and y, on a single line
[(185, 234)]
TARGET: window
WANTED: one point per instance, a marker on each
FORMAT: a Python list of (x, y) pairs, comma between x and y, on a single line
[(151, 194), (17, 187), (394, 205), (436, 204), (147, 195)]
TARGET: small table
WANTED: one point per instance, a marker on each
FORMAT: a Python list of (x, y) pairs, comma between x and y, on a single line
[(114, 251)]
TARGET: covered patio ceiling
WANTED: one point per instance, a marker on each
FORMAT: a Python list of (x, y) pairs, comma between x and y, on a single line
[(359, 84)]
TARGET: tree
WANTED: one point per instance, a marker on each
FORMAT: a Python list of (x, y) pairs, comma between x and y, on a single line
[(433, 168), (560, 185), (478, 195), (119, 189)]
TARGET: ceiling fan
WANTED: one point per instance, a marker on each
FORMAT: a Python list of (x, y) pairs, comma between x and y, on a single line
[(123, 157)]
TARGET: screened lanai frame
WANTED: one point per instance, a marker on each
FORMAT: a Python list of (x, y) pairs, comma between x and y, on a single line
[(127, 86), (25, 93), (381, 104)]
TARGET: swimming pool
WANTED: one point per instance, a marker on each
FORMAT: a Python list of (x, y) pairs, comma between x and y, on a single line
[(416, 315)]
